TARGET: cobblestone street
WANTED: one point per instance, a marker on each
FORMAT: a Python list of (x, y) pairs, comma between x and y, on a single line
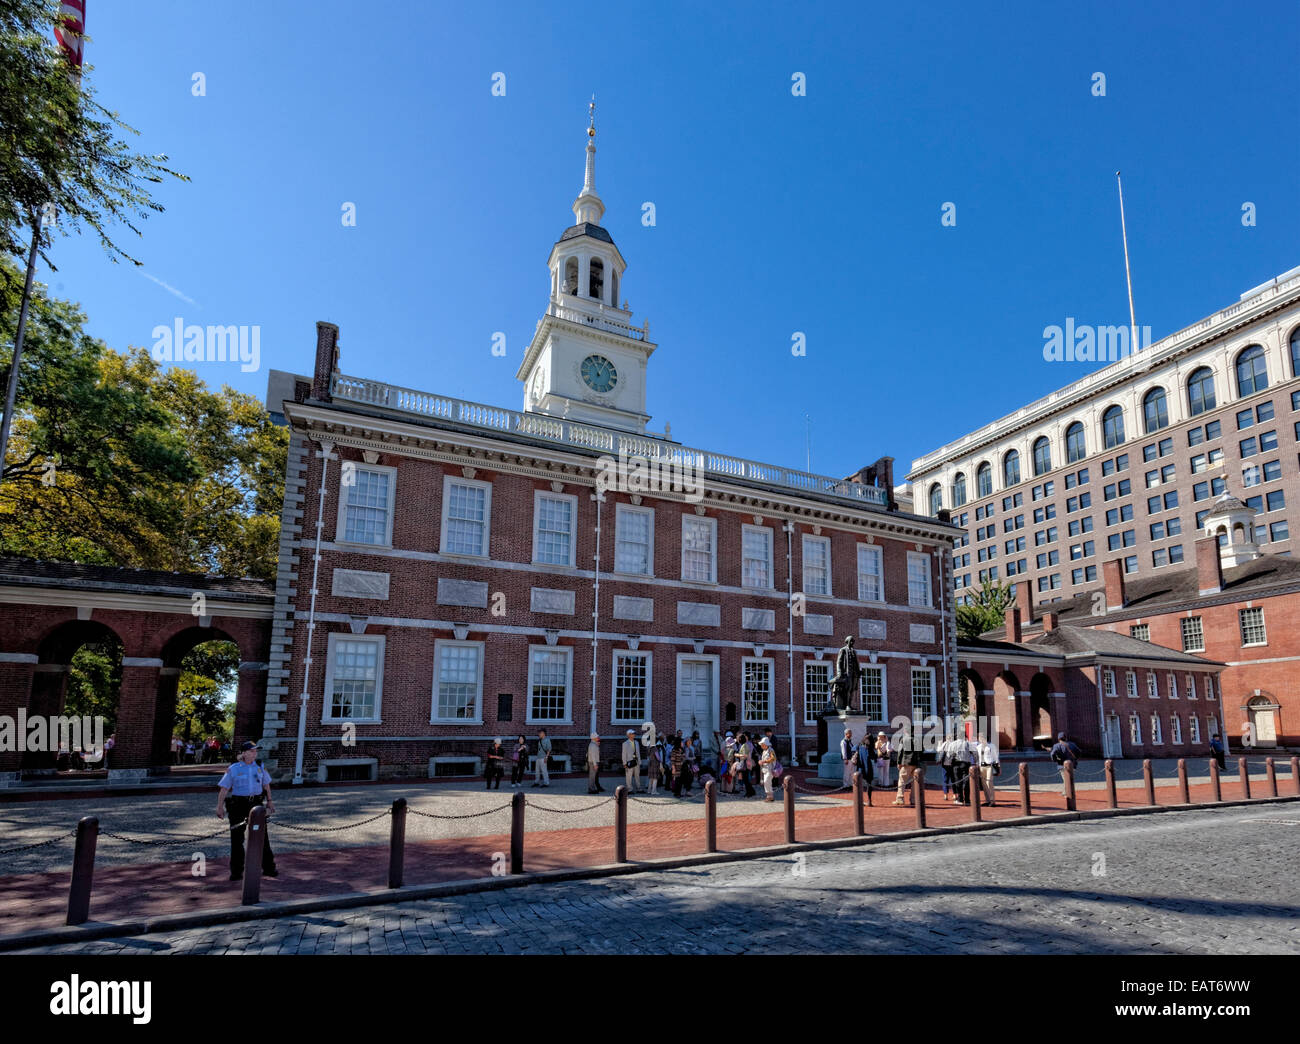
[(1213, 882)]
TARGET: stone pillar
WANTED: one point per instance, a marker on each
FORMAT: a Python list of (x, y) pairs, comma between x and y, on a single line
[(137, 710), (164, 720), (1024, 721), (250, 701)]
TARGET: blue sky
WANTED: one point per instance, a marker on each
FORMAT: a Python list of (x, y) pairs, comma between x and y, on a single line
[(775, 213)]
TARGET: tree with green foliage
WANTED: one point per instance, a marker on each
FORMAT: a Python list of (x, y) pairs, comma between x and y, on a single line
[(983, 609)]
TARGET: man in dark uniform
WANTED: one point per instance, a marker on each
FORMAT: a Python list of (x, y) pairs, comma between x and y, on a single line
[(245, 785)]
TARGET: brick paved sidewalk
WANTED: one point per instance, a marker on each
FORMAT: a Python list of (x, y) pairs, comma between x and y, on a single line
[(32, 901)]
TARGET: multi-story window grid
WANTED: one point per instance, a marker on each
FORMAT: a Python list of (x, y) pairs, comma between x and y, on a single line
[(1131, 679), (918, 579), (458, 681), (816, 690), (756, 557), (699, 562), (1153, 686), (634, 540), (816, 565), (1194, 724), (1155, 729), (922, 694), (367, 500), (871, 587), (757, 691), (1142, 632), (1193, 638), (1252, 626), (1135, 730), (631, 686), (356, 673), (553, 529), (465, 518), (1175, 729), (1108, 681), (872, 683), (548, 685)]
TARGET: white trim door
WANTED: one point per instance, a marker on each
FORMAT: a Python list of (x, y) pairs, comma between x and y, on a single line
[(696, 703), (1114, 742)]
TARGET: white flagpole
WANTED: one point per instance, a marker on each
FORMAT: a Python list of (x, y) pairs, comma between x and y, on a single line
[(1128, 274)]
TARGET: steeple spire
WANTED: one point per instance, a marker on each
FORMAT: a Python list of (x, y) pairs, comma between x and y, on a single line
[(588, 208)]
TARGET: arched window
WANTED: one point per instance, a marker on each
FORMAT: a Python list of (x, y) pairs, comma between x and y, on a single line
[(613, 288), (1295, 352), (1011, 468), (959, 490), (596, 280), (936, 498), (1155, 411), (1200, 391), (984, 480), (1042, 456), (1076, 445), (571, 276), (1252, 371), (1112, 426)]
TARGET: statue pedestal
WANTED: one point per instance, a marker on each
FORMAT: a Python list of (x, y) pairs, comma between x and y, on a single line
[(831, 765)]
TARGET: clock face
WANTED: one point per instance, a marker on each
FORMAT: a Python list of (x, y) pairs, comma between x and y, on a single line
[(598, 373)]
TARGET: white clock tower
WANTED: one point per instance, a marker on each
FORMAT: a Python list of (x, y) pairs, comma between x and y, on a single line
[(587, 362)]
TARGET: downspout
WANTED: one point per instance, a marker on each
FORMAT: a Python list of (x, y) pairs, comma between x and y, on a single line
[(599, 498), (326, 449), (789, 645)]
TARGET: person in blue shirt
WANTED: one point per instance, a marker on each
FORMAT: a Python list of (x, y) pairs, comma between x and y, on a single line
[(245, 785)]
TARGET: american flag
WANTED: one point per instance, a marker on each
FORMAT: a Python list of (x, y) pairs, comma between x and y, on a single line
[(70, 32)]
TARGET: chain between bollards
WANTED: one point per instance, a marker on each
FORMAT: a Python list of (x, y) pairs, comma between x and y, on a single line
[(83, 870), (397, 845)]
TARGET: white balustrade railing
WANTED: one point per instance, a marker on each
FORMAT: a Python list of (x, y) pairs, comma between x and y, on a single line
[(592, 437)]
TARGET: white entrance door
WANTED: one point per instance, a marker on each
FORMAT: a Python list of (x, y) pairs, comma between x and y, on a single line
[(1114, 748), (1265, 722), (695, 699)]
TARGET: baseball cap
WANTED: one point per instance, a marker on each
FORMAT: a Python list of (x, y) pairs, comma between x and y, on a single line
[(248, 745)]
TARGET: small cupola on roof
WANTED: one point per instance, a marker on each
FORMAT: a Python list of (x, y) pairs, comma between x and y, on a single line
[(1232, 524)]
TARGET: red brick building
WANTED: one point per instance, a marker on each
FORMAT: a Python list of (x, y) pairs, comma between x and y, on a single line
[(452, 571)]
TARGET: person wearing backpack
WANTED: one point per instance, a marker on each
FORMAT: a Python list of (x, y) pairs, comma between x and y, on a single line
[(910, 765), (1064, 753)]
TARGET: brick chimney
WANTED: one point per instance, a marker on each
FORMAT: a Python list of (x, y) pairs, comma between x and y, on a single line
[(1011, 621), (1113, 573), (1209, 567), (879, 474), (1051, 621), (327, 360), (1024, 602)]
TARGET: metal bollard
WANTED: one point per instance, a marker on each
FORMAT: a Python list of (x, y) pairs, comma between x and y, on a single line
[(1024, 789), (788, 788), (710, 816), (1112, 798), (1184, 791), (1071, 804), (1295, 774), (620, 824), (859, 822), (83, 870), (1149, 781), (975, 793), (517, 803), (255, 835), (397, 845), (1244, 771), (1216, 790), (918, 798), (1271, 768)]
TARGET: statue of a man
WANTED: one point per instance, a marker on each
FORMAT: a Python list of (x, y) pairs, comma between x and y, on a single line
[(847, 674)]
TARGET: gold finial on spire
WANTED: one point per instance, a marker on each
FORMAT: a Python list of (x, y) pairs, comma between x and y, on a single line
[(591, 118)]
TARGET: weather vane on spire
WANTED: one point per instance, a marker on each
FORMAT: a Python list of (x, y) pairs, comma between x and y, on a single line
[(591, 117)]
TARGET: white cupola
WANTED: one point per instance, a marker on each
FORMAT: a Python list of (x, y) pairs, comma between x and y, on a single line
[(1232, 524), (587, 361)]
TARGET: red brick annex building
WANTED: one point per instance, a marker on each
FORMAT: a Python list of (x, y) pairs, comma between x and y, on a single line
[(451, 571)]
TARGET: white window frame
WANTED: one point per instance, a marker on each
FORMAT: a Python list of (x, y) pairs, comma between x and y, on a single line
[(1183, 625), (1108, 682), (878, 553), (328, 701), (825, 541), (1135, 729), (1194, 728), (1211, 689), (884, 692), (447, 482), (1175, 730), (340, 520), (1157, 735), (712, 523), (771, 557), (1241, 623), (1153, 686), (911, 691), (771, 691), (546, 723), (1131, 684), (625, 654), (438, 646), (809, 717), (919, 557), (1191, 687), (620, 511), (545, 494), (1172, 685)]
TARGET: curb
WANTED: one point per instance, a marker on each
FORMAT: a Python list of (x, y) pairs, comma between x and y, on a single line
[(409, 893)]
